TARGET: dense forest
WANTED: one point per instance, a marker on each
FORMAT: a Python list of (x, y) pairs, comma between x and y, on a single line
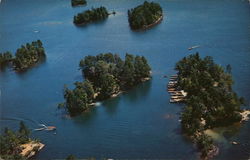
[(145, 15), (11, 141), (105, 76), (25, 57), (28, 55), (95, 14), (78, 2), (5, 58), (210, 101)]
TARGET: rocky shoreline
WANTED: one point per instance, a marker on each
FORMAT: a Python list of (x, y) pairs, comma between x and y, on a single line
[(211, 153), (150, 25), (245, 115), (31, 148)]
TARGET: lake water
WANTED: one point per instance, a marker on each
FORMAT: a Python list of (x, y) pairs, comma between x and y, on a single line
[(140, 123)]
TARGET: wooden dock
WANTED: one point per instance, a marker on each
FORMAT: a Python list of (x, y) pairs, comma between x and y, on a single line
[(177, 95)]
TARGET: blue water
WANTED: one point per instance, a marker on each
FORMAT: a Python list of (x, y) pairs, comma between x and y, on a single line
[(136, 124)]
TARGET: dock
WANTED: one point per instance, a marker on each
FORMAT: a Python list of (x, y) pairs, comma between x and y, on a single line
[(176, 94)]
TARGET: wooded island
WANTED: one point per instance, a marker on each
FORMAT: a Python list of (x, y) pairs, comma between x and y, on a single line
[(25, 57), (106, 75), (145, 15), (210, 100), (78, 2), (95, 14)]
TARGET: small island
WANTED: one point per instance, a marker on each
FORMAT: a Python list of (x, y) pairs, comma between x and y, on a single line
[(145, 16), (18, 145), (95, 14), (106, 75), (78, 2), (210, 100), (28, 55), (25, 57)]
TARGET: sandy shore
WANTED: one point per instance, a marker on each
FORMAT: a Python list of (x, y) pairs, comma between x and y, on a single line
[(31, 148)]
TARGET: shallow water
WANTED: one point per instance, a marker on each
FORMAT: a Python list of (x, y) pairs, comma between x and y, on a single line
[(140, 123)]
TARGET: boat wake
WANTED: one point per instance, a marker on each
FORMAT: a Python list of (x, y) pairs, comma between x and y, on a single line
[(98, 104), (45, 127), (27, 120), (31, 122)]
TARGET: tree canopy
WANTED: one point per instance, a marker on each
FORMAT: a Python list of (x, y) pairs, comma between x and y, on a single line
[(210, 100), (78, 2), (209, 87), (95, 14), (26, 56), (10, 142), (105, 75), (5, 58), (125, 74), (144, 15)]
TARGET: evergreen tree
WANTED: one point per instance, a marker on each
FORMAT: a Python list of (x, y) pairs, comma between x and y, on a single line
[(210, 100), (5, 58), (71, 157), (24, 132), (108, 86), (105, 75), (128, 73), (144, 15), (95, 14)]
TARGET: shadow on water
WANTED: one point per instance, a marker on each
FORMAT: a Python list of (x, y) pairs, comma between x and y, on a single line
[(86, 117), (111, 104), (4, 67), (138, 92), (142, 31), (87, 25), (16, 120), (186, 140)]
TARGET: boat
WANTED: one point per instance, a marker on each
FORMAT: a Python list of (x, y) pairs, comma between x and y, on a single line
[(175, 75), (171, 85), (176, 100), (177, 97), (234, 143), (172, 82), (193, 47), (172, 79), (44, 127), (39, 129), (50, 128), (171, 89), (176, 94)]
